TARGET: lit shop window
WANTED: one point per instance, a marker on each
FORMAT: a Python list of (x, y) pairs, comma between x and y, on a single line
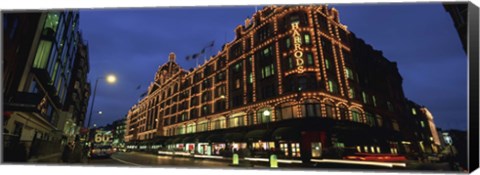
[(316, 149), (284, 148), (191, 128), (263, 145), (218, 123), (202, 126), (295, 149), (236, 121), (43, 52), (264, 116)]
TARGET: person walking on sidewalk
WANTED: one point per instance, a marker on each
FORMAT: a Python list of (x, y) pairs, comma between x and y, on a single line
[(67, 151), (77, 151)]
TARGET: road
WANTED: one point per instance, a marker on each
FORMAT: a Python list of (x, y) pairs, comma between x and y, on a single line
[(143, 159), (137, 159)]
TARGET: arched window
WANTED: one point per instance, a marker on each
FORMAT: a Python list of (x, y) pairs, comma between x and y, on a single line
[(343, 112), (250, 118), (202, 126), (236, 120), (370, 119), (356, 115), (286, 111), (330, 109), (181, 130), (311, 108), (218, 123), (191, 128), (264, 115)]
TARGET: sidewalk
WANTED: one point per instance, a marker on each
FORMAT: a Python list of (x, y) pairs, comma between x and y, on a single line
[(56, 158)]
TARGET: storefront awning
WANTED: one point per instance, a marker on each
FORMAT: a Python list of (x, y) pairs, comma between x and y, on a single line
[(255, 135), (189, 139), (177, 140), (216, 138), (233, 137), (201, 138), (169, 141), (286, 133)]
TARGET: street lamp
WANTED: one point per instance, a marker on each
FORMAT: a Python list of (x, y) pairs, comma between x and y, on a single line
[(110, 79)]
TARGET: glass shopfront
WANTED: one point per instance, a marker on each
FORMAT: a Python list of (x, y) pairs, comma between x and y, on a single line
[(217, 147), (316, 149), (203, 148)]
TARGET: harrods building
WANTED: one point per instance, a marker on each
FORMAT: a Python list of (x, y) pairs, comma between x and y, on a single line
[(294, 81)]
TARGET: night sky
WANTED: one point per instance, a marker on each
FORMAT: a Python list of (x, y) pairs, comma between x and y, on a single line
[(132, 43)]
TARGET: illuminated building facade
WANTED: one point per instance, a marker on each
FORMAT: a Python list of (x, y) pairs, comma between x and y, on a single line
[(423, 129), (294, 81), (40, 65)]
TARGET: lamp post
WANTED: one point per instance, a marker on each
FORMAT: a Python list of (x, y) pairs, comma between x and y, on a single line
[(110, 79)]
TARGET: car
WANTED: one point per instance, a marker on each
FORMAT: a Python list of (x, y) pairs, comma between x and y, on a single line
[(98, 151)]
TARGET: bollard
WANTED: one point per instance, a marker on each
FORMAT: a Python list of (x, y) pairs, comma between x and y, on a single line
[(273, 161), (235, 159)]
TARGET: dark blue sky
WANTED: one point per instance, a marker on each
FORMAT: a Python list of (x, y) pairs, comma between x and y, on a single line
[(132, 43)]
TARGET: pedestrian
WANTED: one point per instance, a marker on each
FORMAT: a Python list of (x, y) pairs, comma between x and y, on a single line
[(67, 150)]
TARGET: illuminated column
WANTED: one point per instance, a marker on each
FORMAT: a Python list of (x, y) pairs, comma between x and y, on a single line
[(336, 59), (315, 45), (322, 56), (227, 85), (254, 78), (244, 70), (277, 56)]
